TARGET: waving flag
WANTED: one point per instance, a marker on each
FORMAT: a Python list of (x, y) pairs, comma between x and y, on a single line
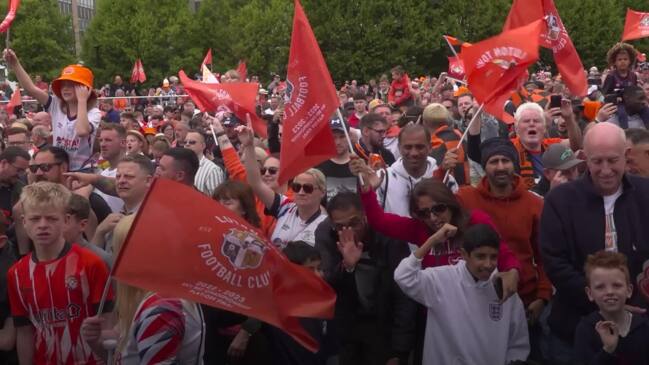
[(456, 67), (138, 75), (239, 98), (636, 25), (496, 67), (208, 76), (208, 254), (242, 70), (16, 100), (310, 100), (554, 36), (11, 15), (208, 58)]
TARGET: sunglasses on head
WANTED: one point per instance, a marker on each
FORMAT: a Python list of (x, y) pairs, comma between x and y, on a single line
[(271, 170), (45, 167), (296, 187), (436, 209)]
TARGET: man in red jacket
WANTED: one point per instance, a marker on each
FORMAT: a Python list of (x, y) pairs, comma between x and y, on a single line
[(516, 212), (399, 95)]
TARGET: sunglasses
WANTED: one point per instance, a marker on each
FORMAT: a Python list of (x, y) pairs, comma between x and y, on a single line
[(296, 187), (190, 143), (45, 167), (271, 170), (435, 209)]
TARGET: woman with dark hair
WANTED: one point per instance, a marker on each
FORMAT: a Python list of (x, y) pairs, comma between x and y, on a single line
[(239, 198)]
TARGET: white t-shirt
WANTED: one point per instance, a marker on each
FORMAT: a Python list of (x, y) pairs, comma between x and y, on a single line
[(65, 136), (115, 203), (610, 238), (290, 227)]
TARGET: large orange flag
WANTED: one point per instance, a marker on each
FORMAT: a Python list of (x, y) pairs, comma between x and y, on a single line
[(11, 15), (554, 36), (636, 25), (184, 244), (496, 67), (310, 100), (238, 98)]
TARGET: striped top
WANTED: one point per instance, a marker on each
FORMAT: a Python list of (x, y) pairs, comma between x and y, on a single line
[(208, 176)]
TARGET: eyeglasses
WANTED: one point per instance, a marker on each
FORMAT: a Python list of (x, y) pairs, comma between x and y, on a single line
[(45, 167), (270, 170), (380, 131), (296, 187), (353, 223), (190, 143), (435, 209)]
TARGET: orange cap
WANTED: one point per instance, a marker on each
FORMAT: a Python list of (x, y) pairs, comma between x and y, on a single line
[(149, 130), (76, 73), (461, 91)]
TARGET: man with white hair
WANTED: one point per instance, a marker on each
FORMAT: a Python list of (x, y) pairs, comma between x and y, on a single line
[(531, 142), (607, 209)]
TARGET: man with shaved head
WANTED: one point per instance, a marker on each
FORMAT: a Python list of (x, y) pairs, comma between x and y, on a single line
[(607, 209), (42, 118)]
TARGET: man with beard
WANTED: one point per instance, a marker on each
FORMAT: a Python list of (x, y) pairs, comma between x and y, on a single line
[(370, 146), (631, 113), (516, 213)]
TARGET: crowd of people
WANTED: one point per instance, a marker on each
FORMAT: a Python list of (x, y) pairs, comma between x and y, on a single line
[(522, 243)]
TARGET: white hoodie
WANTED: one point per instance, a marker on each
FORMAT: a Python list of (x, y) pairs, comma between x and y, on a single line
[(466, 325), (399, 185)]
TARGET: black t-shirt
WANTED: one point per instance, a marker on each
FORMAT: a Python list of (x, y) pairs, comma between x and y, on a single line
[(339, 178), (7, 259)]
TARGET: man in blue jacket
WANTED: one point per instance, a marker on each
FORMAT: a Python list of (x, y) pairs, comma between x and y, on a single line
[(606, 209)]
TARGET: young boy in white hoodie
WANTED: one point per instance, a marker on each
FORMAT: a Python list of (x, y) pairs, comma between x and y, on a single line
[(467, 323)]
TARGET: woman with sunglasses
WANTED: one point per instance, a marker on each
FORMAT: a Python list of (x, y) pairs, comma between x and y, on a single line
[(297, 218)]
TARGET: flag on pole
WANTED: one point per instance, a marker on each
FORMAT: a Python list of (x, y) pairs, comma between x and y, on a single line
[(206, 253), (16, 100), (554, 36), (208, 58), (497, 66), (242, 70), (636, 25), (238, 98), (208, 76), (138, 75), (456, 67), (11, 15), (310, 101)]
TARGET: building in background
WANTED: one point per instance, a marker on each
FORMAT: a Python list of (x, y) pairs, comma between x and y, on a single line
[(81, 12)]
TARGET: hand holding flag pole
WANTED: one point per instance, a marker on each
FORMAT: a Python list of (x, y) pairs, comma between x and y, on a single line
[(475, 117)]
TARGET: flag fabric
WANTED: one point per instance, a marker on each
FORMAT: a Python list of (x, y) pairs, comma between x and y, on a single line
[(497, 66), (455, 44), (238, 98), (138, 75), (242, 70), (456, 67), (206, 253), (310, 100), (554, 36), (208, 58), (208, 76), (636, 25), (11, 15), (16, 100)]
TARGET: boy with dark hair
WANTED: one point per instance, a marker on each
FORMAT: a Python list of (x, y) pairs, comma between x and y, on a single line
[(467, 321), (611, 335), (79, 211)]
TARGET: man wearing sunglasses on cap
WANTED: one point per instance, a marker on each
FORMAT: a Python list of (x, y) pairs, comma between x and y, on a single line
[(336, 169)]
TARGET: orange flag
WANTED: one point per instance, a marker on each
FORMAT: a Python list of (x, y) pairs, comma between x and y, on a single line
[(310, 100), (138, 75), (242, 70), (11, 15), (554, 36), (208, 58), (496, 67), (239, 98), (456, 67), (636, 25), (184, 244), (16, 100)]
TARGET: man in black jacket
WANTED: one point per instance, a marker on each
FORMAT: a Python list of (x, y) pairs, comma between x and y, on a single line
[(375, 320), (606, 209)]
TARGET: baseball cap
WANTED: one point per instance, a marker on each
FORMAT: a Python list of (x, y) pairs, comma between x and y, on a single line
[(231, 121), (336, 124), (560, 157)]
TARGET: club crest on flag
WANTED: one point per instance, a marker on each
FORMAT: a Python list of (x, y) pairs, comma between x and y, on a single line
[(644, 23), (495, 311), (288, 91), (554, 27), (243, 249)]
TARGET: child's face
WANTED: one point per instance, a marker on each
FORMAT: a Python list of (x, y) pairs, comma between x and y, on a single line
[(45, 225), (609, 289), (481, 262), (74, 228), (314, 265), (622, 61)]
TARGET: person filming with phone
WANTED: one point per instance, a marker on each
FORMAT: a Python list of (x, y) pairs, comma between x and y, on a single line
[(631, 112)]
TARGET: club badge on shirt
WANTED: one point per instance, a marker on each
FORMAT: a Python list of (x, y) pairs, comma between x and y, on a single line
[(495, 311)]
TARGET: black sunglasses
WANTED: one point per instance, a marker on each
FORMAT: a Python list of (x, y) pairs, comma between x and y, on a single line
[(45, 167), (271, 170), (296, 187), (436, 209)]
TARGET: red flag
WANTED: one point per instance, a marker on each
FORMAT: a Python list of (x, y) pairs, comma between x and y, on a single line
[(554, 36), (242, 70), (16, 100), (238, 98), (138, 75), (11, 15), (206, 253), (310, 100), (456, 67), (208, 58), (636, 25), (496, 67)]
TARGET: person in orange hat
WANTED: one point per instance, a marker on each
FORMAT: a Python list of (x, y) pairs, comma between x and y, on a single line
[(73, 108)]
